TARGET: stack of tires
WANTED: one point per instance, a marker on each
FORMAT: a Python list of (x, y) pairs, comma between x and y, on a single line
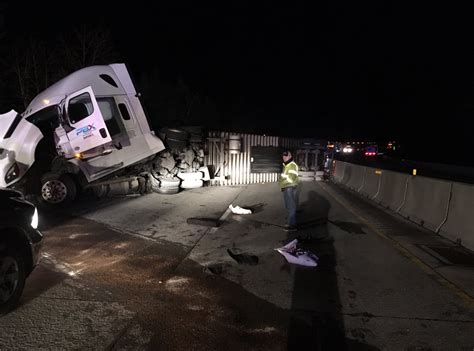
[(195, 133), (175, 139), (191, 180), (167, 185), (306, 176)]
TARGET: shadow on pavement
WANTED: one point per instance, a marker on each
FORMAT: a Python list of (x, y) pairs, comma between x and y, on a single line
[(255, 208), (316, 320), (243, 258)]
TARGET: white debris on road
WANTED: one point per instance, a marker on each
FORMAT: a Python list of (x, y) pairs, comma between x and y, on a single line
[(239, 210), (295, 255)]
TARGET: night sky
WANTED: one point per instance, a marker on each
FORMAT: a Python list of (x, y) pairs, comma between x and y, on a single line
[(339, 71)]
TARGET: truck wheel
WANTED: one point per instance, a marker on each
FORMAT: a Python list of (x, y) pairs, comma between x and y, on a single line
[(12, 278), (191, 184), (168, 191), (176, 144), (57, 189), (185, 176), (176, 134), (169, 182), (99, 191)]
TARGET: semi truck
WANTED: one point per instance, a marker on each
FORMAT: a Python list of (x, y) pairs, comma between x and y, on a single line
[(85, 131)]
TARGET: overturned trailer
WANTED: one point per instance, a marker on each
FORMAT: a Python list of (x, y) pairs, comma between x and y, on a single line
[(87, 130)]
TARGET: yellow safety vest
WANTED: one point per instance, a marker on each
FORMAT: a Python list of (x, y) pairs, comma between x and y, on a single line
[(289, 177)]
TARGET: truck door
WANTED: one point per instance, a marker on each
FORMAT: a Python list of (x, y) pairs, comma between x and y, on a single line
[(88, 125)]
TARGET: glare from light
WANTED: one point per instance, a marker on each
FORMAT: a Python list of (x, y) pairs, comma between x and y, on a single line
[(347, 149), (46, 101), (34, 219)]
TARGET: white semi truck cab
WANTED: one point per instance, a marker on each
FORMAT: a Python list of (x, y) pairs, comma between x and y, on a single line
[(83, 130)]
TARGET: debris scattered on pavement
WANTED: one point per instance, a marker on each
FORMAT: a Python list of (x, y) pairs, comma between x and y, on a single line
[(296, 255), (251, 260), (239, 210)]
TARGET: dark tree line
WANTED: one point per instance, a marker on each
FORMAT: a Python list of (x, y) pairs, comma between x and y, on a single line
[(176, 103), (30, 63)]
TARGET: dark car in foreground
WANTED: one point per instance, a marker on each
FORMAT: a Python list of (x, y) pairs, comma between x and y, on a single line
[(20, 244)]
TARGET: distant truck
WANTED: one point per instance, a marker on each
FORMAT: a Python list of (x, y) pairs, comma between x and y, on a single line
[(86, 130)]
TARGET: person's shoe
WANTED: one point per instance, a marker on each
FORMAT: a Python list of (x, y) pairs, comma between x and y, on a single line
[(289, 228)]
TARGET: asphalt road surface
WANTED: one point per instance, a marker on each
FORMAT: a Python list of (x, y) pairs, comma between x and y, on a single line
[(154, 273)]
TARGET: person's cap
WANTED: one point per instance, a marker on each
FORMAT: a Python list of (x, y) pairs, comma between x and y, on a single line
[(286, 153)]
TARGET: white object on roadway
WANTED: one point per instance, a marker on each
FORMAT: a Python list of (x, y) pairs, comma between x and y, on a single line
[(239, 210), (191, 183), (185, 176), (297, 256)]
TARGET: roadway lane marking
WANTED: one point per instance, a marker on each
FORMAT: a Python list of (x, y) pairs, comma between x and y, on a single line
[(467, 299)]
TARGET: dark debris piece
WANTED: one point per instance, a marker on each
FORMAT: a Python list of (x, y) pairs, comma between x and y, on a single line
[(251, 260)]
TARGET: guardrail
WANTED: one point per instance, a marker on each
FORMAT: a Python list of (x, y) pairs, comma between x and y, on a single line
[(443, 207)]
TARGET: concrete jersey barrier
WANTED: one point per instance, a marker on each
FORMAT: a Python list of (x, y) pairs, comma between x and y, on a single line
[(348, 169), (459, 225), (440, 206), (392, 190), (426, 201), (339, 171), (357, 177), (371, 182)]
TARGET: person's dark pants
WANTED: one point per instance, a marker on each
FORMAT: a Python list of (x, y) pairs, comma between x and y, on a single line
[(289, 195)]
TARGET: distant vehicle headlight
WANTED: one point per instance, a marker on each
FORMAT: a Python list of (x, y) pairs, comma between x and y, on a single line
[(12, 173), (34, 219), (347, 149)]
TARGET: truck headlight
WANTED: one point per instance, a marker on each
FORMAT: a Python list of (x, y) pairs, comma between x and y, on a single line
[(34, 219), (12, 173)]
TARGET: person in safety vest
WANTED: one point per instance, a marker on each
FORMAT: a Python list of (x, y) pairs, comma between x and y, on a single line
[(288, 185)]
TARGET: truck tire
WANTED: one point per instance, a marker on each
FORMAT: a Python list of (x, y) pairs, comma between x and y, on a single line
[(168, 191), (193, 129), (191, 184), (169, 182), (176, 134), (57, 189), (176, 144), (185, 176), (99, 191), (12, 277)]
